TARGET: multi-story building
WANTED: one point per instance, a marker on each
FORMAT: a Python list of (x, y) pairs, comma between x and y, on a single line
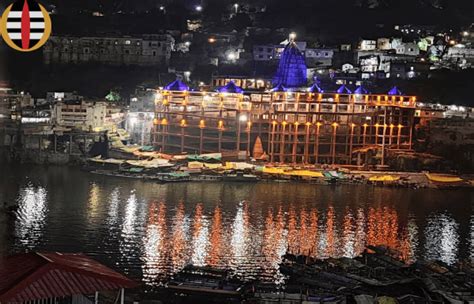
[(81, 115), (11, 102), (294, 123), (143, 50), (368, 45)]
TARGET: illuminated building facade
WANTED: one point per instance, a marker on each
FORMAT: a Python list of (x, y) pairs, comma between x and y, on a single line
[(294, 127), (294, 124)]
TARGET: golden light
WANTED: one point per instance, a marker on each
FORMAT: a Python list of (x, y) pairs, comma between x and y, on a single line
[(274, 123), (202, 124), (400, 126), (297, 124), (365, 125), (156, 121), (353, 125), (211, 40), (320, 97), (164, 121), (308, 124), (220, 124), (165, 102), (377, 125), (318, 124), (249, 124), (391, 126), (183, 123), (334, 124), (284, 123)]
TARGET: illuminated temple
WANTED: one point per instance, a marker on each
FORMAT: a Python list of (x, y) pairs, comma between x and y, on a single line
[(292, 123)]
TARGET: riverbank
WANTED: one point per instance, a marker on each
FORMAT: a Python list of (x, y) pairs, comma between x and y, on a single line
[(212, 169)]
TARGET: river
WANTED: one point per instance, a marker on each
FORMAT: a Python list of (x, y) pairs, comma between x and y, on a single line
[(149, 231)]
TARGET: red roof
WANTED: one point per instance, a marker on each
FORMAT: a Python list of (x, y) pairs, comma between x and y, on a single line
[(34, 276)]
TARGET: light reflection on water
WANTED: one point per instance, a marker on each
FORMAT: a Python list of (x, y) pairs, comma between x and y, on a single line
[(31, 215), (150, 231)]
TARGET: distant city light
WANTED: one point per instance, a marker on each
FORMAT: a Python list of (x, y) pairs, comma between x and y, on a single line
[(211, 40), (187, 43), (162, 8), (231, 56), (198, 8), (292, 36), (452, 42), (465, 33)]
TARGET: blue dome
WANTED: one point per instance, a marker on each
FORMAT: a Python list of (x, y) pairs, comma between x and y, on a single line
[(361, 90), (279, 88), (315, 88), (344, 90), (231, 87), (176, 85), (395, 91), (291, 71)]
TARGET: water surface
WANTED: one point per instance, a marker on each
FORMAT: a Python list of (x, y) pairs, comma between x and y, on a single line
[(149, 231)]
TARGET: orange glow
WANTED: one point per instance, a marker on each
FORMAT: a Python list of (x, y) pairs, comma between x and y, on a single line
[(216, 238), (334, 124), (211, 40), (274, 123), (391, 126), (249, 124), (308, 124), (202, 124), (400, 126), (164, 121), (320, 97), (377, 125), (284, 123), (183, 123), (165, 102), (353, 125), (365, 125), (220, 124), (318, 124), (156, 121)]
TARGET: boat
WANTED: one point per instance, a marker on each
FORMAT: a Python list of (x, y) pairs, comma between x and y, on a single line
[(195, 280), (240, 177)]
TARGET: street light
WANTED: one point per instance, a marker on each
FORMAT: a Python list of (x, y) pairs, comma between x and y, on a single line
[(236, 6)]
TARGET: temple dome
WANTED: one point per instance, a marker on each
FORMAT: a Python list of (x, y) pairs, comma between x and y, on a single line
[(231, 87), (291, 71), (176, 85)]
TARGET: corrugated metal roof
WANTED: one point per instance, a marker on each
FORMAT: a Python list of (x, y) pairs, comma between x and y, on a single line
[(34, 276)]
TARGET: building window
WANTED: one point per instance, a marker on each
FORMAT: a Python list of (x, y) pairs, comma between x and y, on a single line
[(128, 42)]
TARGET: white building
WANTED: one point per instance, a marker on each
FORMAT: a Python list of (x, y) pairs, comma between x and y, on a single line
[(408, 48), (367, 45), (144, 50), (84, 116)]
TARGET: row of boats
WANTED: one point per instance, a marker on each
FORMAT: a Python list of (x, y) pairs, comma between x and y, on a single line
[(374, 277)]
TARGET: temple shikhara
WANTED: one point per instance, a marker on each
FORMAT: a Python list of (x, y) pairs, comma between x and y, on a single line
[(295, 122)]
